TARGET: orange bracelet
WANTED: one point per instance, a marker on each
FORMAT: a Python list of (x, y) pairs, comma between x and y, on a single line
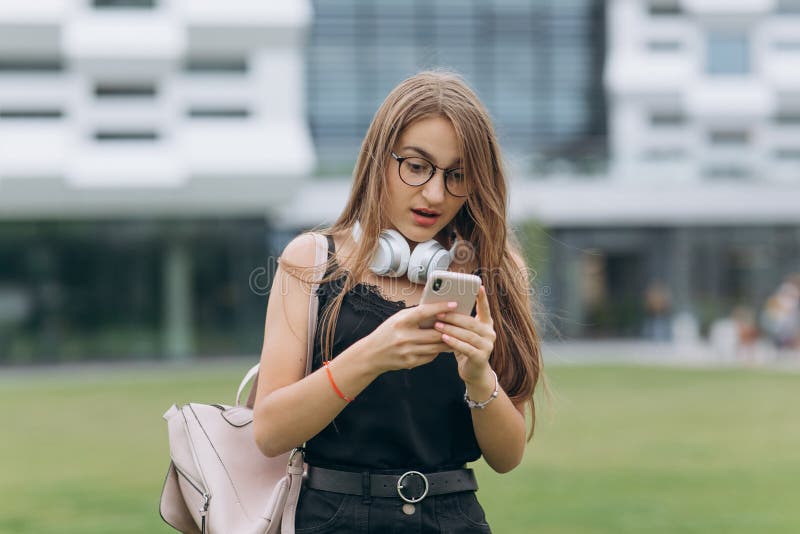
[(335, 388)]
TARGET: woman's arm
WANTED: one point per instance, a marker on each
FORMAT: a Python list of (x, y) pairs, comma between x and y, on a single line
[(289, 410), (499, 427)]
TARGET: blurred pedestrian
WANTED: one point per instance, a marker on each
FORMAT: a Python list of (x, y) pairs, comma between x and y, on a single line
[(657, 306), (780, 317)]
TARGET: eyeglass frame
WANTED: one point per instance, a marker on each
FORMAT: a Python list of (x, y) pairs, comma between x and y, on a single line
[(401, 159)]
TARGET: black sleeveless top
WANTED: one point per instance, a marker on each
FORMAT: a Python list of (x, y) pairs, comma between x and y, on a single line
[(405, 419)]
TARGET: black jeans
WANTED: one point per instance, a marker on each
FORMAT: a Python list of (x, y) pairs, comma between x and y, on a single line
[(324, 511)]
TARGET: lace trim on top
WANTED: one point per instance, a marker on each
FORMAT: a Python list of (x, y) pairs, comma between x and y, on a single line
[(364, 297)]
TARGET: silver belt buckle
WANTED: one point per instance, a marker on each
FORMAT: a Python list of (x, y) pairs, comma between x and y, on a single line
[(401, 486)]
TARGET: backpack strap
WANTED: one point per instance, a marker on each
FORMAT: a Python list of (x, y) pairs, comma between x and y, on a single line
[(313, 308)]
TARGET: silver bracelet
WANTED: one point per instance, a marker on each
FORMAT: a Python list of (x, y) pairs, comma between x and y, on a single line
[(481, 405)]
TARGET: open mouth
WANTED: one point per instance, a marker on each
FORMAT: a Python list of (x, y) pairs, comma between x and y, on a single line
[(425, 214)]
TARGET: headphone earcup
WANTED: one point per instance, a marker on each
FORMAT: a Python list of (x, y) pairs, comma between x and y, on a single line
[(427, 257), (391, 258)]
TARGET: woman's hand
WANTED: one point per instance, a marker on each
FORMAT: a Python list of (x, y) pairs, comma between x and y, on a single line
[(470, 338), (399, 342)]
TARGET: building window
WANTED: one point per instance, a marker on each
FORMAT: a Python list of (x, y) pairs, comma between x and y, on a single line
[(786, 45), (34, 114), (218, 113), (128, 90), (788, 6), (664, 154), (728, 53), (216, 66), (664, 46), (31, 65), (124, 4), (788, 154), (729, 137), (127, 135), (660, 119), (537, 66), (788, 117), (660, 8), (729, 171)]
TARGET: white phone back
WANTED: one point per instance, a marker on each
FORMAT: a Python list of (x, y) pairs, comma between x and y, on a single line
[(459, 287)]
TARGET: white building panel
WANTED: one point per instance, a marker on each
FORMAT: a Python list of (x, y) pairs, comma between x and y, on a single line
[(120, 104)]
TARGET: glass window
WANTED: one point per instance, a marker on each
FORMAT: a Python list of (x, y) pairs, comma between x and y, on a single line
[(728, 53), (788, 6), (31, 113), (667, 118), (216, 65), (664, 154), (134, 90), (729, 171), (221, 112), (664, 46), (661, 8), (536, 65), (787, 45), (124, 4), (788, 117), (729, 137), (792, 154), (30, 65), (115, 136)]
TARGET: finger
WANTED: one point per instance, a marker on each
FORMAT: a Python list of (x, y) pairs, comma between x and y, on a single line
[(424, 311), (482, 311), (459, 319), (460, 346), (463, 334), (485, 330), (426, 336)]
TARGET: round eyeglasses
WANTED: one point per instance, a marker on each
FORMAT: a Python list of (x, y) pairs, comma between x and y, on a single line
[(416, 171)]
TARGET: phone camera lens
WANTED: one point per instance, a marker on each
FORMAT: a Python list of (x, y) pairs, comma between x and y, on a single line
[(437, 284)]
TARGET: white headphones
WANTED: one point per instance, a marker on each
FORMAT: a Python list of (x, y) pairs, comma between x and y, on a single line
[(394, 257)]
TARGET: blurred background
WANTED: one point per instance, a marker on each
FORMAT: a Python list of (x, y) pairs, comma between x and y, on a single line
[(156, 155)]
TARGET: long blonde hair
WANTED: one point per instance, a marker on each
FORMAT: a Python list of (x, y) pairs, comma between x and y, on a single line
[(481, 221)]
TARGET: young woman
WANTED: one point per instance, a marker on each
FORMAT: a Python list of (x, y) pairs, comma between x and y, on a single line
[(384, 415)]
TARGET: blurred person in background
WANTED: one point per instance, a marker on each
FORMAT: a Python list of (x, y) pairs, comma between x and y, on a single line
[(388, 405), (780, 317), (657, 306)]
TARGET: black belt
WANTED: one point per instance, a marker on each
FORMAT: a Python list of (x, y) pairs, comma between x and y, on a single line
[(411, 486)]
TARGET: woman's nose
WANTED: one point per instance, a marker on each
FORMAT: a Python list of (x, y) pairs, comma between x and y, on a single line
[(434, 190)]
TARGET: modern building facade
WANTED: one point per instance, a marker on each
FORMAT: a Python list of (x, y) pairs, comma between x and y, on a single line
[(142, 145), (705, 90), (147, 183), (536, 64)]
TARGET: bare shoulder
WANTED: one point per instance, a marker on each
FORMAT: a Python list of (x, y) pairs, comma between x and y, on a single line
[(300, 251)]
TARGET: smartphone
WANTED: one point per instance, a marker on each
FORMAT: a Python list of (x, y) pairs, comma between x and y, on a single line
[(445, 286)]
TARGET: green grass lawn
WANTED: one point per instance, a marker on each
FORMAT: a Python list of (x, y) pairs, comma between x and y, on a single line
[(623, 449)]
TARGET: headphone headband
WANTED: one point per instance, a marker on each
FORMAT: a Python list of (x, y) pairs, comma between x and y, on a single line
[(395, 258)]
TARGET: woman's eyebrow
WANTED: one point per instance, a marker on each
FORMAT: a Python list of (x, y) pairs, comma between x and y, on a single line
[(427, 155)]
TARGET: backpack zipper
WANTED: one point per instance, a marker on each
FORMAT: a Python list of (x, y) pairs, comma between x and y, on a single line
[(206, 497)]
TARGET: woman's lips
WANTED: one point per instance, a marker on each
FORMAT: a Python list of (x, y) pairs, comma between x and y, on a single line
[(423, 220)]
